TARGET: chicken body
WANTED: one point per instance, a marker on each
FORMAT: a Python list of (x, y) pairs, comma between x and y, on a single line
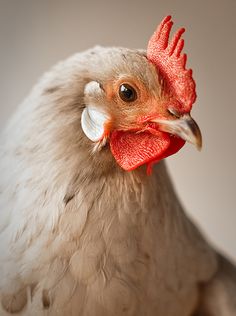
[(79, 235)]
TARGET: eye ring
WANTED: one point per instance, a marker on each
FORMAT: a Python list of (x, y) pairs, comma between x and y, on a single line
[(127, 93)]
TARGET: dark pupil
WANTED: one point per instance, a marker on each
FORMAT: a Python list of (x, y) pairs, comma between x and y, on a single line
[(127, 93)]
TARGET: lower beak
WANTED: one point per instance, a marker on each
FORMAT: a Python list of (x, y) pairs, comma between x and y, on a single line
[(185, 127)]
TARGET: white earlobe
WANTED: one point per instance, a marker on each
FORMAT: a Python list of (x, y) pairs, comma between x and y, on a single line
[(92, 122)]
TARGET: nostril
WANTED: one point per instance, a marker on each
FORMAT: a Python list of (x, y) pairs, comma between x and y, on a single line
[(173, 112)]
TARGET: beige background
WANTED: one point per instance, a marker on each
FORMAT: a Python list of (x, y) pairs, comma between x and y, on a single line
[(36, 34)]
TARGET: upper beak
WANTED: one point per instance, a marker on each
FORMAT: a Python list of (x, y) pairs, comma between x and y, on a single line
[(185, 127)]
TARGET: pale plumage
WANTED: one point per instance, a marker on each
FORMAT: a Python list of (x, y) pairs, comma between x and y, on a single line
[(79, 235)]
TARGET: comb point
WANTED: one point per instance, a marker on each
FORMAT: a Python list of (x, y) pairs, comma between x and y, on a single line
[(179, 48), (184, 60), (167, 18)]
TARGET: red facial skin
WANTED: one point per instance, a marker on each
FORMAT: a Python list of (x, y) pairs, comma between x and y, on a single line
[(149, 145)]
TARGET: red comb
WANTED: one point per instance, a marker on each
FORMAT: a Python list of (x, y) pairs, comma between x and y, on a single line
[(171, 64)]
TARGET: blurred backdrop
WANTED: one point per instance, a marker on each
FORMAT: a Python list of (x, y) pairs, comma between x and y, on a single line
[(34, 35)]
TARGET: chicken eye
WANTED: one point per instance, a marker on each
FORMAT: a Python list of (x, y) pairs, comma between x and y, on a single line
[(127, 93)]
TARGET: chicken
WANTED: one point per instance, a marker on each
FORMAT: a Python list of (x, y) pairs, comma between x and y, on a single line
[(90, 224)]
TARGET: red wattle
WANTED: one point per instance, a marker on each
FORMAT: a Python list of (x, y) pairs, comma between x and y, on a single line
[(132, 150), (176, 144)]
